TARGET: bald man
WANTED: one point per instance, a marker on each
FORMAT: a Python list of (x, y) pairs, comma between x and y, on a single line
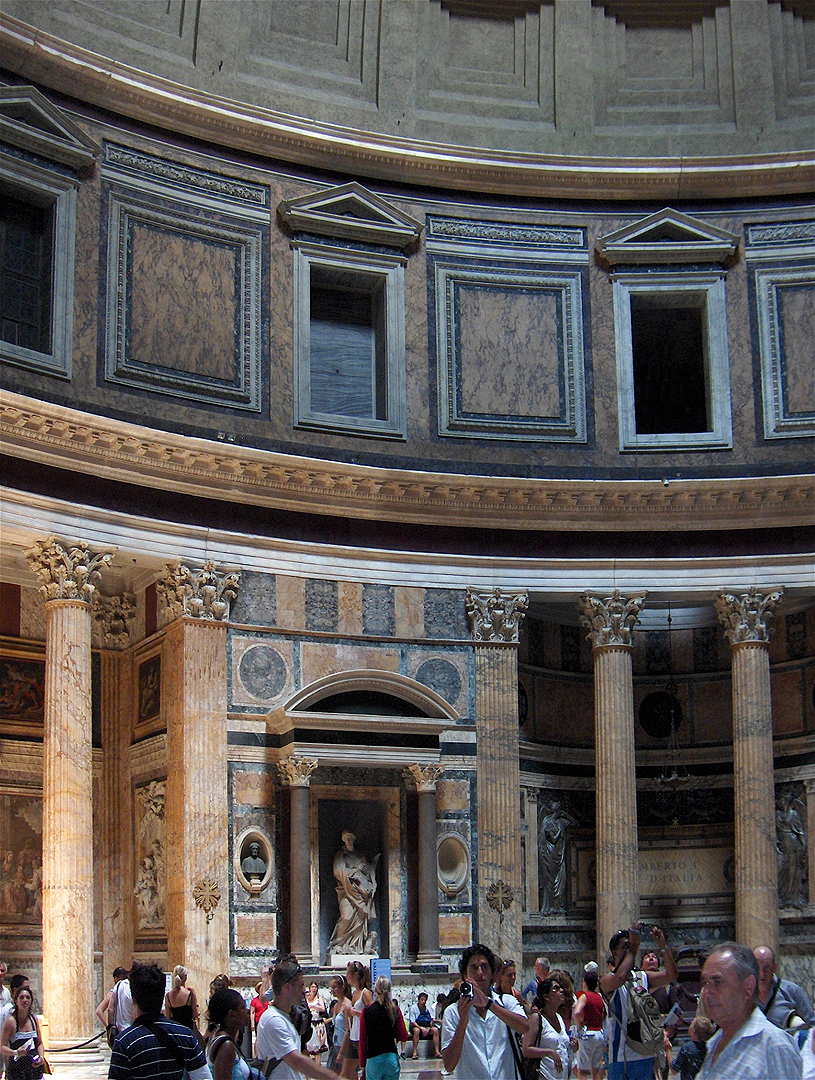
[(780, 999)]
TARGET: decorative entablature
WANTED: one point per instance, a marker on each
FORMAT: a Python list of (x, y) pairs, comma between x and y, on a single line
[(667, 237), (104, 447), (28, 121), (351, 212)]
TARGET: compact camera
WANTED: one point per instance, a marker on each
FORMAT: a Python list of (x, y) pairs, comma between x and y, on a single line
[(466, 989)]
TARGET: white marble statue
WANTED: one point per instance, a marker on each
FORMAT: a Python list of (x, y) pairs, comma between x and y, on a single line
[(356, 889)]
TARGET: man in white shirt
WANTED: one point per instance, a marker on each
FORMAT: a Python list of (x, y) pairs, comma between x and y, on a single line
[(277, 1037), (748, 1046), (475, 1036)]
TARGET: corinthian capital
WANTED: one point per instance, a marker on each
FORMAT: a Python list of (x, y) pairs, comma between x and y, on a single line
[(204, 593), (113, 616), (496, 615), (746, 616), (297, 771), (610, 620), (425, 776), (67, 570)]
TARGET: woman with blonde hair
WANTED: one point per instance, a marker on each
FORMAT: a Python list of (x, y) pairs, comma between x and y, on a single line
[(180, 1003), (381, 1027)]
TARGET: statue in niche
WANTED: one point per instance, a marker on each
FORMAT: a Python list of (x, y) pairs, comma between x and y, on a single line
[(554, 821), (253, 866), (356, 888), (791, 848), (147, 894), (151, 872)]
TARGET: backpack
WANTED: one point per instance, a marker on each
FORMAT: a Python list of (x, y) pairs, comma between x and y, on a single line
[(644, 1030)]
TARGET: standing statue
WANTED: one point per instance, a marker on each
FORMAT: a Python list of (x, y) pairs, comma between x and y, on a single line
[(554, 822), (356, 888), (791, 848)]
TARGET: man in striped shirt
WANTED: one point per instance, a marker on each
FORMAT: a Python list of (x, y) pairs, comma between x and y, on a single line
[(155, 1048)]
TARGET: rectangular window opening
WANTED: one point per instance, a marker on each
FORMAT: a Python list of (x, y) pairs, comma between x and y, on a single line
[(670, 364), (26, 262), (347, 346)]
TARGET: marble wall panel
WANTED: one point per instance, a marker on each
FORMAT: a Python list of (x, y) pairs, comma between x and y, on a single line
[(349, 607), (455, 931), (446, 673), (445, 614), (408, 612), (182, 303), (564, 711), (452, 795), (795, 632), (797, 316), (319, 660), (291, 602), (254, 789), (261, 670), (788, 699), (321, 605), (713, 711), (255, 603), (256, 931), (378, 610), (32, 614)]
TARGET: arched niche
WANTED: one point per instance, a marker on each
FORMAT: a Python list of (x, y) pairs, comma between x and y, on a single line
[(453, 864), (253, 883)]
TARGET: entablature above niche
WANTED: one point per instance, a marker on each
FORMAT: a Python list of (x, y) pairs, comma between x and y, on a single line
[(351, 212), (30, 122), (65, 438), (665, 238)]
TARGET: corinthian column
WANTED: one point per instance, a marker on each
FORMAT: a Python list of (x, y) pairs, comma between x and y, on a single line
[(193, 699), (297, 772), (68, 573), (495, 619), (610, 622), (746, 618), (428, 957)]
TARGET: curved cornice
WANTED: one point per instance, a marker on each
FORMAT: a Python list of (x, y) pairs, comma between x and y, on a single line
[(40, 57), (65, 438)]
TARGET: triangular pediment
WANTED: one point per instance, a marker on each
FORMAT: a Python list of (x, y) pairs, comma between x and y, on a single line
[(29, 121), (350, 212), (667, 237)]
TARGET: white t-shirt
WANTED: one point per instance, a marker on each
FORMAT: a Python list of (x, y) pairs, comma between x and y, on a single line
[(276, 1037), (124, 1005), (486, 1053)]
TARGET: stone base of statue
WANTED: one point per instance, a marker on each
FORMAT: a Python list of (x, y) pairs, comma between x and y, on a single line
[(342, 960)]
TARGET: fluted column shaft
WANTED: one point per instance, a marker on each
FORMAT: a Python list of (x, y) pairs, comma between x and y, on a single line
[(746, 618), (67, 833), (495, 619), (617, 855), (68, 572), (499, 784), (115, 817), (193, 692), (754, 793), (610, 622)]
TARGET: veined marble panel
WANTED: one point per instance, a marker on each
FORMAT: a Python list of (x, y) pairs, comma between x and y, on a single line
[(261, 670), (319, 660), (183, 303), (509, 347)]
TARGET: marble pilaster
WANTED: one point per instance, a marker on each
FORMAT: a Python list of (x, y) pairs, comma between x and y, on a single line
[(297, 773), (495, 619), (610, 623), (746, 619), (428, 956), (68, 573), (193, 695)]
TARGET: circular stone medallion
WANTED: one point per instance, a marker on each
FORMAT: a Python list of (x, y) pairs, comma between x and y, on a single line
[(263, 671)]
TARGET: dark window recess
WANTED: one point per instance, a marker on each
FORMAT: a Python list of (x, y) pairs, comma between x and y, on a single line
[(347, 352), (26, 243), (670, 369), (366, 703)]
